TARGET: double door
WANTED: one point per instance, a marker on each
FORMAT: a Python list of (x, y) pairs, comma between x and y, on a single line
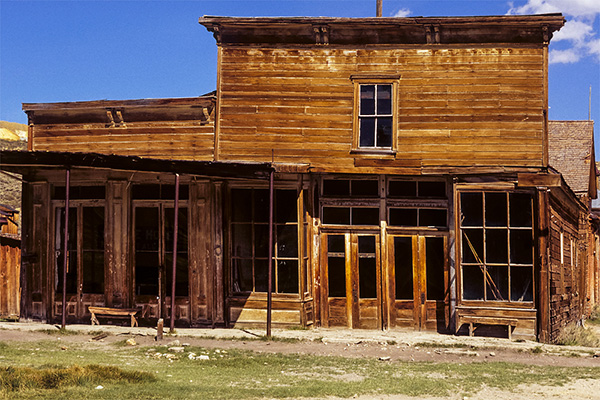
[(373, 285)]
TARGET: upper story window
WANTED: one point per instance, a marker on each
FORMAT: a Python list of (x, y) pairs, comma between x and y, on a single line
[(374, 120)]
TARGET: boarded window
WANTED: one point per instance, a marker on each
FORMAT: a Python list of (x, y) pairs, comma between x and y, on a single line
[(497, 246)]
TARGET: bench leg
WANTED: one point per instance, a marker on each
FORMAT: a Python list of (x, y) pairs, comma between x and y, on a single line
[(95, 320), (509, 332), (133, 321), (470, 329)]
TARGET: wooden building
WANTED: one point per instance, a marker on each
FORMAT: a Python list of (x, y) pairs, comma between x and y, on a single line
[(412, 184), (10, 261)]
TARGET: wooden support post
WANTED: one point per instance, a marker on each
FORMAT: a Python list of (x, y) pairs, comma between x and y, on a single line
[(159, 329), (65, 249), (174, 271), (270, 279), (543, 293), (379, 8)]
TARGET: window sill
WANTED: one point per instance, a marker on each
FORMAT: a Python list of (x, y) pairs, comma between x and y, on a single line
[(374, 152)]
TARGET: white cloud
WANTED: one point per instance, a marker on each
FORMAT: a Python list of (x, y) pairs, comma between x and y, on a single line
[(402, 13), (568, 56), (578, 32)]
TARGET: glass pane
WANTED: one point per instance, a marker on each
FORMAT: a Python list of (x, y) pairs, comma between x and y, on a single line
[(146, 273), (521, 246), (434, 260), (287, 276), (495, 209), (145, 192), (384, 99), (336, 244), (93, 272), (404, 268), (261, 240), (402, 189), (80, 192), (336, 215), (182, 230), (384, 131), (496, 246), (241, 205), (71, 250), (472, 246), (367, 132), (472, 280), (365, 188), (367, 100), (336, 187), (432, 189), (367, 277), (261, 275), (93, 250), (181, 274), (167, 192), (287, 241), (241, 245), (365, 216), (242, 275), (146, 229), (471, 207), (521, 284), (93, 228), (285, 204), (336, 276), (432, 217), (367, 245), (261, 205), (520, 210), (146, 254), (497, 283), (403, 217)]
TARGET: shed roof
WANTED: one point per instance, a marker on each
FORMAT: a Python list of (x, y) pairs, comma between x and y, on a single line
[(571, 152)]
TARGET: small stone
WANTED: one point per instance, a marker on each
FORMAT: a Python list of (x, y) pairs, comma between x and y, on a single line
[(185, 344), (492, 354), (131, 342), (176, 349), (175, 343), (203, 357), (385, 358), (99, 387), (192, 356), (64, 348)]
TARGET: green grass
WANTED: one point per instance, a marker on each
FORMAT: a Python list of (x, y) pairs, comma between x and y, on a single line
[(127, 372), (573, 335)]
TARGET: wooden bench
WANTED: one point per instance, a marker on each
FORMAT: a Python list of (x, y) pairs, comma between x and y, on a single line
[(471, 319), (114, 312)]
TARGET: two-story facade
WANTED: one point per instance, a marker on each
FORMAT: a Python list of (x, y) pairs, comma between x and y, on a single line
[(411, 182)]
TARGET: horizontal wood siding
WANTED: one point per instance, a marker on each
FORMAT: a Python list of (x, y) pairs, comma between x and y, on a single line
[(457, 107), (188, 140)]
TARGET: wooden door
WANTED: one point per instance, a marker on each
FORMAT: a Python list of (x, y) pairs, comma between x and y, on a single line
[(418, 282), (352, 276)]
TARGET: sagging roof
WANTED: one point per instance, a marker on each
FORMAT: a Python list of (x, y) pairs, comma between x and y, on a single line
[(365, 31), (23, 162), (571, 152), (106, 111)]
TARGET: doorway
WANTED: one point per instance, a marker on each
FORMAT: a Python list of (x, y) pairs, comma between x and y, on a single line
[(418, 282)]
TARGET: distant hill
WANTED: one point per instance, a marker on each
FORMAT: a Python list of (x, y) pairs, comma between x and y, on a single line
[(12, 137)]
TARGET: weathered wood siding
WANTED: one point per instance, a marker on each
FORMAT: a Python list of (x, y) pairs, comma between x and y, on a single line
[(10, 263), (457, 106)]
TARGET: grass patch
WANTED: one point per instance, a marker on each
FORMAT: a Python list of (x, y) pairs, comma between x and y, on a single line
[(573, 335), (431, 345), (595, 315), (537, 350), (58, 331)]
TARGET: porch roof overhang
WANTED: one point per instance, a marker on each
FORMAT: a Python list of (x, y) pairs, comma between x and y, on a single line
[(26, 162)]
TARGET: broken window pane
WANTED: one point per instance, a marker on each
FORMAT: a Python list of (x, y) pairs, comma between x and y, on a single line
[(495, 209), (472, 246), (497, 283), (521, 281), (471, 206), (520, 210), (472, 282), (403, 268), (434, 258), (496, 246)]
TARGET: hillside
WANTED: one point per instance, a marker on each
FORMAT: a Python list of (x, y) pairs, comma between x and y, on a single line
[(11, 138)]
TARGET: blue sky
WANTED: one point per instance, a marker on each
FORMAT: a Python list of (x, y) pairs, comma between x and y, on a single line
[(54, 51)]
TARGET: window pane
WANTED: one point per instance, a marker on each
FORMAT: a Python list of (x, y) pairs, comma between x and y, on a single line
[(261, 240), (496, 246), (93, 250), (336, 215), (472, 279), (432, 189), (146, 250), (365, 216), (181, 274), (336, 187), (93, 228), (497, 283), (287, 241), (403, 267), (521, 246), (241, 205), (261, 205), (520, 210), (336, 244), (167, 192), (287, 276), (521, 284), (496, 209), (384, 99), (145, 192), (384, 131), (367, 100), (337, 276), (472, 246), (403, 216), (241, 245), (93, 272), (181, 229), (242, 275), (367, 132), (365, 188), (366, 245), (285, 203), (434, 259), (261, 275), (367, 277), (432, 217), (402, 189), (471, 207)]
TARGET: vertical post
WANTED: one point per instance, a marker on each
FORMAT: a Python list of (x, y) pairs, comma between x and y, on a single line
[(65, 249), (175, 230), (379, 8), (270, 279)]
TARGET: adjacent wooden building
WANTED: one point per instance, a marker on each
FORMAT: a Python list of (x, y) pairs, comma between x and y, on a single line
[(412, 185)]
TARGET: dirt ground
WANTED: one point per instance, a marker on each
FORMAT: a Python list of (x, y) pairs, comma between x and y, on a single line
[(403, 345)]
